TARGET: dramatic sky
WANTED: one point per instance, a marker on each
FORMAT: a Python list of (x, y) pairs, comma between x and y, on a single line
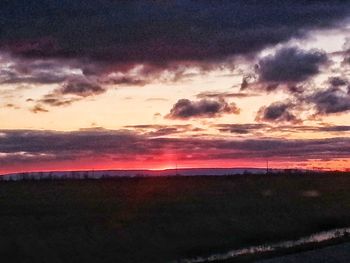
[(108, 84)]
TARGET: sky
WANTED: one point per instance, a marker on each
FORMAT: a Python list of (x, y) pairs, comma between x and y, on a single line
[(109, 84)]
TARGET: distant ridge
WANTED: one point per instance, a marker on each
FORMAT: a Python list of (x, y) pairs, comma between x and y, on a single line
[(99, 174)]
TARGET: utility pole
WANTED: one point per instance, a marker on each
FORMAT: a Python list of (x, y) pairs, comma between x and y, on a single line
[(267, 166)]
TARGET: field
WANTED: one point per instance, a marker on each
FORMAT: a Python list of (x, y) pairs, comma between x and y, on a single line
[(163, 219)]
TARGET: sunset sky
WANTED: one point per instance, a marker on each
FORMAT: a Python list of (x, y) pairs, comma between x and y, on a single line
[(106, 84)]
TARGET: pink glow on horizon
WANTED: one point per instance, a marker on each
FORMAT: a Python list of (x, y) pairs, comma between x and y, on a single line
[(90, 164)]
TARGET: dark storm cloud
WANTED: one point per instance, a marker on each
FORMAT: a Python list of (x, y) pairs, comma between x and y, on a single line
[(185, 109), (50, 41), (20, 146), (277, 112), (157, 32), (291, 65)]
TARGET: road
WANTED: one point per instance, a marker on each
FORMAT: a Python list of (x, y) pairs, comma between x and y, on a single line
[(332, 254)]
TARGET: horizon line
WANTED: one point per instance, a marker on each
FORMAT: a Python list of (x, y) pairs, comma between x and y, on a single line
[(177, 169)]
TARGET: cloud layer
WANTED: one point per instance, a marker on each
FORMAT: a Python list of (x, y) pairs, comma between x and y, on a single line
[(58, 52), (162, 31), (32, 146)]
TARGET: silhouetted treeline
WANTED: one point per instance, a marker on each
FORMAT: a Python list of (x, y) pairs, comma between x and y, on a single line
[(91, 175)]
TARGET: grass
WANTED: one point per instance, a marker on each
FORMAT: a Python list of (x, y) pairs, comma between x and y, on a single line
[(163, 219)]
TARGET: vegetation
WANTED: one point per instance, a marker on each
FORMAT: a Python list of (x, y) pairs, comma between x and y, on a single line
[(163, 219)]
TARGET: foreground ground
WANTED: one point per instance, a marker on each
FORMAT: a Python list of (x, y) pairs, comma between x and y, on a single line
[(163, 219)]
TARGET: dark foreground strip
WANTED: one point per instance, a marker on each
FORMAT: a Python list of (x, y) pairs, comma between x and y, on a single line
[(333, 254), (255, 250)]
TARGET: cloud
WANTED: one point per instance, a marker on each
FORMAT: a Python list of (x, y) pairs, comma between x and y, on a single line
[(80, 87), (335, 128), (216, 95), (157, 99), (330, 101), (338, 81), (288, 69), (277, 112), (154, 130), (186, 109), (246, 128), (118, 43), (346, 52), (258, 129), (291, 65), (75, 89), (126, 80), (28, 71), (248, 79), (347, 60), (35, 146), (316, 103), (55, 102), (11, 106), (326, 128), (38, 108), (169, 31)]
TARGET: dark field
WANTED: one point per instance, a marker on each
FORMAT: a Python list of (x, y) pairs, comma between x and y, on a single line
[(163, 219)]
